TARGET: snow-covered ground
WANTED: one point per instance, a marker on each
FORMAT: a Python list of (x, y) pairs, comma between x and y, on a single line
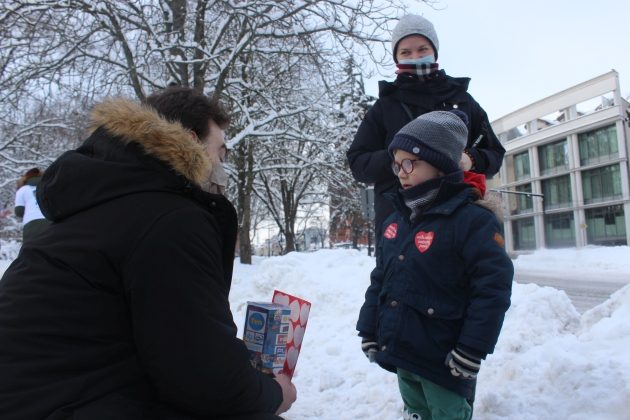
[(550, 362), (592, 263)]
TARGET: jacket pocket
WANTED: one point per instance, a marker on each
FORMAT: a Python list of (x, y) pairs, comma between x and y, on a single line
[(429, 330), (435, 309)]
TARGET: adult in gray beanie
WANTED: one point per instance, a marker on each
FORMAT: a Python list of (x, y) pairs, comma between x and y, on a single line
[(414, 25), (420, 87)]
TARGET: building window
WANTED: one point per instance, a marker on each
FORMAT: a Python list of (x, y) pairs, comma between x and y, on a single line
[(521, 166), (559, 230), (553, 157), (522, 203), (601, 184), (557, 192), (606, 226), (599, 145), (524, 234), (514, 133)]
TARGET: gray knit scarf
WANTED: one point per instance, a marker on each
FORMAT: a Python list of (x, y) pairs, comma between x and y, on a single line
[(421, 197)]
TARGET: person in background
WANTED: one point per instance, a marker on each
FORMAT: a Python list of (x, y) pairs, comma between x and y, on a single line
[(420, 87), (26, 206), (443, 280), (119, 310)]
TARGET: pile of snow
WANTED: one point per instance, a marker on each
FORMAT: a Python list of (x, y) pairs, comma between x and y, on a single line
[(550, 362), (9, 250), (580, 263)]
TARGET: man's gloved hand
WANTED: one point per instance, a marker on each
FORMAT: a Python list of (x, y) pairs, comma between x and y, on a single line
[(463, 364), (369, 347)]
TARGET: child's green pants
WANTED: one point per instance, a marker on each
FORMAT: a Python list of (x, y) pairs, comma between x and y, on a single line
[(427, 401)]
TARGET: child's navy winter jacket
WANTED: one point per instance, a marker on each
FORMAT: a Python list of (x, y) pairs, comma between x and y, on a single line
[(441, 281)]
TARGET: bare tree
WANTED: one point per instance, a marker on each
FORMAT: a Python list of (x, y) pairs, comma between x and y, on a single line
[(36, 138), (288, 180), (243, 52), (345, 212)]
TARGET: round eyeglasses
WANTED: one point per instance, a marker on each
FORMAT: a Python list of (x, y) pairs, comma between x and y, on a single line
[(406, 165)]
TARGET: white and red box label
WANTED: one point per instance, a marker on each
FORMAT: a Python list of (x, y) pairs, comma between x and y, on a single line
[(300, 310), (274, 332)]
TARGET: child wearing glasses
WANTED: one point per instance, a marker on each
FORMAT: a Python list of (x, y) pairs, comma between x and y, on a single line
[(442, 282)]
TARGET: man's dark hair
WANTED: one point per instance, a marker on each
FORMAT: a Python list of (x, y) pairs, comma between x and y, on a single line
[(190, 107)]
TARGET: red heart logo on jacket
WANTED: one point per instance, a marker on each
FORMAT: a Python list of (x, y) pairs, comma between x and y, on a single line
[(423, 240), (391, 231)]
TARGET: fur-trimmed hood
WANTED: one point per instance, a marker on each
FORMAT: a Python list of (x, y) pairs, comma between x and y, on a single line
[(165, 140), (131, 149)]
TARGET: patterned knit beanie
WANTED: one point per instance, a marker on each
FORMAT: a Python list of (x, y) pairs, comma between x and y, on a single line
[(437, 137), (414, 25)]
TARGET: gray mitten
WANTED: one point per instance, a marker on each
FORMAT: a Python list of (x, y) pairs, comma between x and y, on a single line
[(369, 347), (463, 364)]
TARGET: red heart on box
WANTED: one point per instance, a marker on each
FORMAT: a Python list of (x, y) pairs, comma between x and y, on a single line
[(300, 310)]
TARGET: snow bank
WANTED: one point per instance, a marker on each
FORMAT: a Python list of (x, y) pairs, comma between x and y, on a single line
[(549, 363)]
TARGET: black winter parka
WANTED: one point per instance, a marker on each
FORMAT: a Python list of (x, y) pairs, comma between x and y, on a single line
[(401, 101), (120, 309), (441, 281)]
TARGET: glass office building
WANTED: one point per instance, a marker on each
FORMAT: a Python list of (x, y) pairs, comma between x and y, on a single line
[(565, 178)]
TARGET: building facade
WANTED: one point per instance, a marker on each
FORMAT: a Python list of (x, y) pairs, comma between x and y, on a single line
[(565, 179)]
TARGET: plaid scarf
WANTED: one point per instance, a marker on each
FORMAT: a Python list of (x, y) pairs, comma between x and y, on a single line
[(423, 71)]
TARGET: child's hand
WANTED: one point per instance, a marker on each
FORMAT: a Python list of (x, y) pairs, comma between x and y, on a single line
[(463, 364), (369, 347)]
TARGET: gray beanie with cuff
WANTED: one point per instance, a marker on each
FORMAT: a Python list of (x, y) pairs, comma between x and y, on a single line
[(437, 137), (414, 25)]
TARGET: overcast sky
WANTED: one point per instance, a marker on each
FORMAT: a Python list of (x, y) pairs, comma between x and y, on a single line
[(517, 52)]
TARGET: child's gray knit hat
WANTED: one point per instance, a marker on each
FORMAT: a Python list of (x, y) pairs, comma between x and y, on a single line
[(437, 137), (414, 25)]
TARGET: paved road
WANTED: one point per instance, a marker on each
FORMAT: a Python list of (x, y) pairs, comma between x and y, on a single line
[(585, 291)]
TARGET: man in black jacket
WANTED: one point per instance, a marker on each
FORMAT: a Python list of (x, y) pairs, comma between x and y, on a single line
[(120, 309)]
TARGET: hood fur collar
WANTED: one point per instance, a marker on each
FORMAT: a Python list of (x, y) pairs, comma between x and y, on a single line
[(167, 141)]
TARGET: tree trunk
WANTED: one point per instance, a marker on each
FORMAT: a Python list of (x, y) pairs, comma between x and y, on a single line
[(199, 68), (290, 241), (245, 166), (288, 201), (245, 246), (357, 230)]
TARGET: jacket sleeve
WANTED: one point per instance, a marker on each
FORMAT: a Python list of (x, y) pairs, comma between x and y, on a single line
[(19, 211), (366, 325), (20, 203), (367, 155), (488, 151), (490, 273), (182, 323)]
